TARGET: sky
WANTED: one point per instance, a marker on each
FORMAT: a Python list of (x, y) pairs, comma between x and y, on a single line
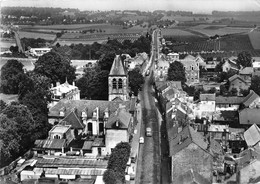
[(197, 6)]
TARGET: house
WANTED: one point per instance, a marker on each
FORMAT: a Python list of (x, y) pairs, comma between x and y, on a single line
[(250, 173), (252, 135), (64, 91), (248, 117), (65, 168), (237, 82), (207, 102), (117, 81), (252, 100), (189, 150), (230, 64), (200, 60), (191, 71), (191, 177), (229, 103), (246, 74), (219, 133), (161, 71), (118, 128), (92, 114), (59, 138), (173, 56)]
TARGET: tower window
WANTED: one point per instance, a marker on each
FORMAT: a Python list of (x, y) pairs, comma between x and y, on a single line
[(114, 84), (120, 84)]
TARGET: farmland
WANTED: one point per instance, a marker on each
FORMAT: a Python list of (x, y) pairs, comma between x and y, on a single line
[(25, 34), (176, 32), (255, 38), (218, 29)]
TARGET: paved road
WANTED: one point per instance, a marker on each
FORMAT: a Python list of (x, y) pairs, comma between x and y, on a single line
[(152, 166)]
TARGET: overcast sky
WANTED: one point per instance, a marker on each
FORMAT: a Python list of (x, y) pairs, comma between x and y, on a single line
[(203, 6)]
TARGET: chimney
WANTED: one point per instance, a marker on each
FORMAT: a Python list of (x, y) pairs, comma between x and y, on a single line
[(57, 84), (73, 83), (51, 85)]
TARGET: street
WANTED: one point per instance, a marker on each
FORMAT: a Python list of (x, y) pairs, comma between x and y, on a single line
[(152, 164)]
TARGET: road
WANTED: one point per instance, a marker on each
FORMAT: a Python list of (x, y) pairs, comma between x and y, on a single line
[(150, 162)]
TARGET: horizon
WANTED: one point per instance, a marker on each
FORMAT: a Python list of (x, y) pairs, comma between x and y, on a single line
[(168, 5)]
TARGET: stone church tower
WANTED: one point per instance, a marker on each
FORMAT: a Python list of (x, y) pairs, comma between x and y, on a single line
[(117, 81)]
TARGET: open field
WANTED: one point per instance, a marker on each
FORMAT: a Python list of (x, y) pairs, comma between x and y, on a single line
[(36, 35), (175, 32), (210, 30), (255, 39), (230, 43)]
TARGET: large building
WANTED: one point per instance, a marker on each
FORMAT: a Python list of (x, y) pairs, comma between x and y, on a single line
[(118, 81)]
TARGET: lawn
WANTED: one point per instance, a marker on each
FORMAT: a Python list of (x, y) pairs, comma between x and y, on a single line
[(255, 39)]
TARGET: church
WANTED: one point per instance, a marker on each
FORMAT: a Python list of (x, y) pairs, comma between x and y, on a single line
[(108, 121)]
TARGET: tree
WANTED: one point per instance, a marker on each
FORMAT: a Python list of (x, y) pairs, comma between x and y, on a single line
[(255, 84), (113, 177), (136, 80), (11, 74), (2, 105), (35, 94), (56, 67), (9, 140), (244, 59), (24, 123), (176, 72)]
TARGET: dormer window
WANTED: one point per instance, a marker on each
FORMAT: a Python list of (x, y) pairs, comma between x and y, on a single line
[(83, 114), (62, 113), (117, 124)]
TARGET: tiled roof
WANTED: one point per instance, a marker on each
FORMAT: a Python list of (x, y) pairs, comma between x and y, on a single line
[(226, 116), (192, 177), (158, 84), (175, 84), (87, 106), (120, 116), (185, 138), (189, 63), (246, 71), (72, 171), (246, 157), (50, 143), (207, 97), (73, 120), (249, 116), (189, 57), (250, 98), (252, 135), (230, 79), (98, 142), (71, 163), (87, 145), (117, 68), (163, 63), (169, 94), (235, 100)]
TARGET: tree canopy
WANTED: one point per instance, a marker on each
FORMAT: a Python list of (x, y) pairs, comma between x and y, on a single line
[(11, 74), (56, 67), (255, 84), (176, 72), (136, 80), (244, 59)]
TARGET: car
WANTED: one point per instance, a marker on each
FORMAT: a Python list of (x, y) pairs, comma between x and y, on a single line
[(148, 132), (141, 140)]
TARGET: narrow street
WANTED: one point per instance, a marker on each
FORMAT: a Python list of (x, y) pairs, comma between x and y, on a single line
[(153, 154)]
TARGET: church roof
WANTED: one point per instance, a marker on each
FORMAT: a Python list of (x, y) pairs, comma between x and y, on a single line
[(120, 116), (117, 68)]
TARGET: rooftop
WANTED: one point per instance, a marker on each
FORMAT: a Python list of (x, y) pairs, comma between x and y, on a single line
[(60, 128), (117, 68), (251, 97), (207, 97), (252, 135), (235, 100), (187, 136)]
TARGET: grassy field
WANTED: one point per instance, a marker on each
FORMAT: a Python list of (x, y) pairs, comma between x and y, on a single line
[(210, 30), (175, 32), (255, 39), (25, 34)]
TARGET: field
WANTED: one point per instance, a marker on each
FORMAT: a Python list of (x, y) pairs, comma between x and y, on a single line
[(176, 32), (210, 30), (36, 35), (255, 38), (230, 43)]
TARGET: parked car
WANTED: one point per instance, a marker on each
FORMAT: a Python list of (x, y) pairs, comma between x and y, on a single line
[(141, 140), (148, 132)]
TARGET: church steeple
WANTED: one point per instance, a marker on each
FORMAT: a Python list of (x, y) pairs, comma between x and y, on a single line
[(117, 81)]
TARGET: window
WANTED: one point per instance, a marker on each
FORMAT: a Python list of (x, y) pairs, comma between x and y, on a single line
[(114, 84), (120, 84), (56, 137)]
